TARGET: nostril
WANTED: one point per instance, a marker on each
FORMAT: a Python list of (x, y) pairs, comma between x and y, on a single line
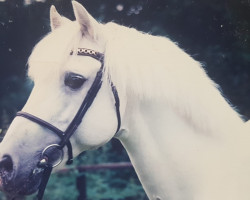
[(6, 163)]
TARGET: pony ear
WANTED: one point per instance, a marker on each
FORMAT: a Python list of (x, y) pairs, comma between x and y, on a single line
[(87, 22), (55, 18)]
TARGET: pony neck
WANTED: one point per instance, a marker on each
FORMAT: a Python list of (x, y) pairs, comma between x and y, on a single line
[(142, 143), (183, 138), (176, 160)]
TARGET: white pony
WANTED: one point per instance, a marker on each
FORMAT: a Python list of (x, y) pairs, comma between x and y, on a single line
[(183, 138)]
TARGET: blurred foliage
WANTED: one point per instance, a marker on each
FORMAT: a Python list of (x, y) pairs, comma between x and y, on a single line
[(214, 32)]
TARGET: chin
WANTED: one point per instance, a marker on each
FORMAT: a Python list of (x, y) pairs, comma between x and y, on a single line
[(26, 189), (22, 187)]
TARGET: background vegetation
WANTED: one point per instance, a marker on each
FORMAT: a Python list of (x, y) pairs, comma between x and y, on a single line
[(214, 32)]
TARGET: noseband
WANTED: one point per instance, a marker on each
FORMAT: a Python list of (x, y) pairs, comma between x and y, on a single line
[(72, 127)]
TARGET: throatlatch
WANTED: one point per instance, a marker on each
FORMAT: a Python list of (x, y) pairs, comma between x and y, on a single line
[(65, 135)]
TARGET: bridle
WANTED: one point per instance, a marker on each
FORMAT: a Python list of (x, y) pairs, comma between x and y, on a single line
[(65, 135)]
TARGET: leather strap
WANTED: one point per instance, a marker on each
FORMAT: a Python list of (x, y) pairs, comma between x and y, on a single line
[(52, 128), (46, 175), (87, 102)]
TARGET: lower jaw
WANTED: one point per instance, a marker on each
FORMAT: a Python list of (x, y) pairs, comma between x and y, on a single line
[(14, 192)]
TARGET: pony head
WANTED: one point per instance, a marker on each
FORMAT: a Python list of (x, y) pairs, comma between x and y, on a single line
[(61, 81)]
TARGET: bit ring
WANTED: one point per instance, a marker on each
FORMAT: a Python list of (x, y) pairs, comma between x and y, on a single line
[(57, 147)]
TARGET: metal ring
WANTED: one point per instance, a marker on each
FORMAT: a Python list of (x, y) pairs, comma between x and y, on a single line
[(56, 146)]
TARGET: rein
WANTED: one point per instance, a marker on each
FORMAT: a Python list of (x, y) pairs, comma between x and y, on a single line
[(72, 127)]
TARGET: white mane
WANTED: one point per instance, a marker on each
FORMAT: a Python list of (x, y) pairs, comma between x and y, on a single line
[(184, 139), (53, 49), (150, 68)]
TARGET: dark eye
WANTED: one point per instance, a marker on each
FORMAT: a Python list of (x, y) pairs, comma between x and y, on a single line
[(74, 81)]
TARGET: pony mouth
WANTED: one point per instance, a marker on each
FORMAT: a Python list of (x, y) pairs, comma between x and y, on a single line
[(15, 188), (27, 188), (5, 178), (32, 183)]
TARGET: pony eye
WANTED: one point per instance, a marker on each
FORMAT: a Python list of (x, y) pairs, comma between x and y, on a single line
[(74, 81)]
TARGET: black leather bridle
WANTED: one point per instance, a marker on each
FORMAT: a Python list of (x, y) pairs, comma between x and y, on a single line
[(65, 135)]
